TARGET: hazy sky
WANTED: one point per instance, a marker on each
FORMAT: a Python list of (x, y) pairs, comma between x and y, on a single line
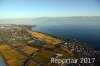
[(48, 8)]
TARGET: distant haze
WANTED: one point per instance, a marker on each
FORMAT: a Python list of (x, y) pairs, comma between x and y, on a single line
[(52, 21)]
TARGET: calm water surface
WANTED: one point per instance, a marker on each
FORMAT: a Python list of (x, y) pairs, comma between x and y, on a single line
[(84, 31), (2, 62)]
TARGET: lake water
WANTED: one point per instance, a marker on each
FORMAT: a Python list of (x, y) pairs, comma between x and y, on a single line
[(86, 31), (1, 62)]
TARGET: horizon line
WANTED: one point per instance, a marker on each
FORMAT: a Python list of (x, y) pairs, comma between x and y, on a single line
[(46, 17)]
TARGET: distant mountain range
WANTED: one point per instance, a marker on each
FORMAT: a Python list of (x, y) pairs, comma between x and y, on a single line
[(42, 19)]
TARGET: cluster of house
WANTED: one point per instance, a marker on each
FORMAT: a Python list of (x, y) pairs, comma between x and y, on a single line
[(17, 34), (6, 27), (82, 50)]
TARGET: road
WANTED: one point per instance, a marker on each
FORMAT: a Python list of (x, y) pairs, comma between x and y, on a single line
[(28, 56)]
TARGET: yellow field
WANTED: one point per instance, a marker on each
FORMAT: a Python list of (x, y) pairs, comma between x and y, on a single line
[(28, 50), (44, 37), (17, 27), (44, 56), (11, 56), (30, 63)]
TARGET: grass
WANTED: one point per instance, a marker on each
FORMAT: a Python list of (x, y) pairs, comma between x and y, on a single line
[(44, 37)]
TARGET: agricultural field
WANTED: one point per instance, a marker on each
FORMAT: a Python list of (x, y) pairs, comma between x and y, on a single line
[(31, 63), (26, 49), (12, 57), (44, 56), (46, 38)]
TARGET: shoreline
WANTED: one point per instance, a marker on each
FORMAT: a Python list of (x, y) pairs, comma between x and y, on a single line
[(62, 39), (3, 60), (48, 38)]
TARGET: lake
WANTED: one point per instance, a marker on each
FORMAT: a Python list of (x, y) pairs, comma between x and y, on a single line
[(84, 30), (2, 62)]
